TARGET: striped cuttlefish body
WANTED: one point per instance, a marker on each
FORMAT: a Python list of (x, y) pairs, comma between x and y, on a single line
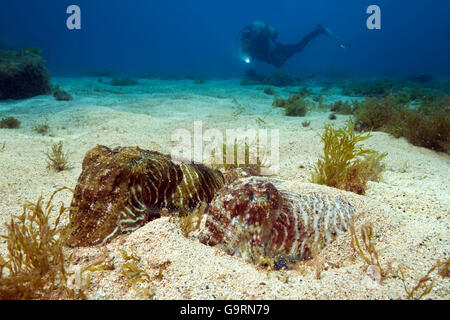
[(121, 189), (252, 216)]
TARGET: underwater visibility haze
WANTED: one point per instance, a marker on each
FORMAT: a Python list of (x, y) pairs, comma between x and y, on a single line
[(178, 150), (182, 36)]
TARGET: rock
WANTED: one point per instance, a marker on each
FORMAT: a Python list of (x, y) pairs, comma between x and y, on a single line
[(61, 95), (421, 78), (23, 74)]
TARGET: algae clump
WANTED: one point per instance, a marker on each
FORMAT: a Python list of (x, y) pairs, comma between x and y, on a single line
[(345, 164), (9, 123), (295, 105), (57, 159), (306, 123), (270, 91), (35, 265), (298, 108), (41, 129), (253, 156), (426, 126)]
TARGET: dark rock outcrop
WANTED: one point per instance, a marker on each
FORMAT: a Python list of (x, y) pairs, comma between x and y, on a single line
[(61, 95), (23, 74)]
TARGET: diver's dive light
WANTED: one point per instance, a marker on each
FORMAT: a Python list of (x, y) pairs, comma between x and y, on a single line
[(247, 59)]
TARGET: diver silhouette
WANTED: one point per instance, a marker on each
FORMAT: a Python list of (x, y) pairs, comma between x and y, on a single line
[(259, 41)]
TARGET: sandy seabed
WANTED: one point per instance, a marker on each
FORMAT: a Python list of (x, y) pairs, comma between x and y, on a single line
[(409, 207)]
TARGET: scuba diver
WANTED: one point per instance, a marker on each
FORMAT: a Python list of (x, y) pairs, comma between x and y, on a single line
[(259, 41)]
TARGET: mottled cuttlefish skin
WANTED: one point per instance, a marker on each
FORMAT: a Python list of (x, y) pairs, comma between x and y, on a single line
[(121, 189), (253, 211)]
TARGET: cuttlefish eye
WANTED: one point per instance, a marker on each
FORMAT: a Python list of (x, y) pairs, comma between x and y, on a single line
[(268, 195), (251, 197)]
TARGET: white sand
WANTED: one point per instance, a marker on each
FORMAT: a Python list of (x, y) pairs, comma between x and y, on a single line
[(409, 208)]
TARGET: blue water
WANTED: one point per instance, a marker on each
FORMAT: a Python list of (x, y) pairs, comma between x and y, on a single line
[(198, 36)]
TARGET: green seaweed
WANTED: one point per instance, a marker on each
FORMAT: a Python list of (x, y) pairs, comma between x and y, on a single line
[(9, 123), (134, 273), (320, 101), (57, 159), (238, 146), (341, 107), (426, 126), (380, 87), (299, 108), (35, 263), (131, 270), (306, 123), (189, 221), (279, 79), (41, 129), (295, 105), (431, 131), (161, 268), (305, 92), (376, 114), (429, 97), (270, 91), (366, 248), (137, 275), (279, 102), (345, 164), (424, 284), (403, 97)]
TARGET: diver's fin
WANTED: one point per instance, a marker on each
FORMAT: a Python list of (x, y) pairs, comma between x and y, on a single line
[(323, 30), (326, 31)]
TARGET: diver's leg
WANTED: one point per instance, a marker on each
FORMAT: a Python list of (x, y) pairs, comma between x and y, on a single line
[(304, 42), (284, 51)]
